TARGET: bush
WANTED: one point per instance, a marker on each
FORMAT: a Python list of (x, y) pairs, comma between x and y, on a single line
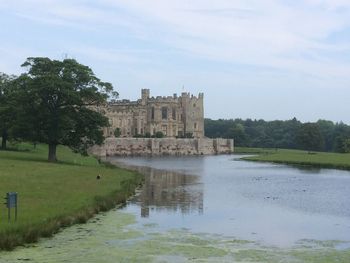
[(159, 134)]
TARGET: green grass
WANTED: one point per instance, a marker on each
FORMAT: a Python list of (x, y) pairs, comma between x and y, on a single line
[(54, 195), (298, 157)]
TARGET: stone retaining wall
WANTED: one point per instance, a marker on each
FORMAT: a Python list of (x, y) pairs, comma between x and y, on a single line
[(162, 146)]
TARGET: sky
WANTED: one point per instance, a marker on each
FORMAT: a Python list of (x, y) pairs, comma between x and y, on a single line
[(259, 59)]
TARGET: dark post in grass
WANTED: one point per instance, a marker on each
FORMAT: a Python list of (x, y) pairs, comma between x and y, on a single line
[(11, 201)]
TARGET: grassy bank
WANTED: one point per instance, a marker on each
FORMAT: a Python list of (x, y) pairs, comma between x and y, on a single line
[(57, 195), (297, 157)]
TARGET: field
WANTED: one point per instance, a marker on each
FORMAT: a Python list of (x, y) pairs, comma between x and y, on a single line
[(297, 157), (55, 195)]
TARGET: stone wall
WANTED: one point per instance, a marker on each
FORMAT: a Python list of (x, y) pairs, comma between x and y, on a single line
[(163, 146)]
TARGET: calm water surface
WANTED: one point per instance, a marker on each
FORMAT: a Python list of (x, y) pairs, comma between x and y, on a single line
[(213, 209), (275, 204)]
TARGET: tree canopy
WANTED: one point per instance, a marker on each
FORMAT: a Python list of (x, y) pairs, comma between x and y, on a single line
[(58, 100), (279, 134), (309, 137)]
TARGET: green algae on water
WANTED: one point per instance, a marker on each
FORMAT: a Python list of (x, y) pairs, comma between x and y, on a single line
[(116, 237)]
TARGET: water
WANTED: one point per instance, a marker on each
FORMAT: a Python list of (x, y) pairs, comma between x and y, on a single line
[(215, 209), (275, 204)]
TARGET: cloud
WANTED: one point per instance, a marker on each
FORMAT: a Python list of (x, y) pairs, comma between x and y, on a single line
[(263, 33), (290, 35), (78, 14)]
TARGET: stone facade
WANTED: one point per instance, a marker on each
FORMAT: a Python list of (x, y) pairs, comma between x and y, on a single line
[(162, 146), (173, 116)]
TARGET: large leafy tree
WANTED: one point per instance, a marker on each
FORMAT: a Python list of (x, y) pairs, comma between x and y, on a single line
[(8, 107), (58, 100)]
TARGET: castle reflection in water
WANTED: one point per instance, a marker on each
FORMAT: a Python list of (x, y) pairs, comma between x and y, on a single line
[(171, 191), (168, 191)]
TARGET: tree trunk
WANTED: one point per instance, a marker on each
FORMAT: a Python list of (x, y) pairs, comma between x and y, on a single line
[(52, 153), (4, 139)]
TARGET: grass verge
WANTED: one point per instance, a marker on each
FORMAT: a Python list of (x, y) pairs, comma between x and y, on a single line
[(298, 157), (56, 195)]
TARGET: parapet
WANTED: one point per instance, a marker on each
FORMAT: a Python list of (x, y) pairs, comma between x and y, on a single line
[(145, 96)]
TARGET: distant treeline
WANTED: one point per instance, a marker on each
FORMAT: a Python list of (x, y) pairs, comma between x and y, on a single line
[(322, 135)]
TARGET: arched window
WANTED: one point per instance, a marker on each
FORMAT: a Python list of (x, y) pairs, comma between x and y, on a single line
[(152, 113), (164, 113), (174, 113)]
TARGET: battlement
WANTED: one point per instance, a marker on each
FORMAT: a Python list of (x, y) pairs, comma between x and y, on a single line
[(145, 97)]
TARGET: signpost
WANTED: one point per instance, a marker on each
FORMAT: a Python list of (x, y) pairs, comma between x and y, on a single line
[(11, 201)]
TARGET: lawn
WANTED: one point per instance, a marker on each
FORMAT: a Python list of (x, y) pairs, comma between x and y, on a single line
[(298, 157), (53, 195)]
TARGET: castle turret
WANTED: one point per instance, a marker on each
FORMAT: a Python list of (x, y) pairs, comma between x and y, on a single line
[(144, 96), (193, 115)]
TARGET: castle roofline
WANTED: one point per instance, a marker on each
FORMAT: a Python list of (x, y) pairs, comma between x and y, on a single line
[(174, 98)]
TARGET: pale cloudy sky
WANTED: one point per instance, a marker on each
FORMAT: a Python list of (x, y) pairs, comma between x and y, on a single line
[(265, 59)]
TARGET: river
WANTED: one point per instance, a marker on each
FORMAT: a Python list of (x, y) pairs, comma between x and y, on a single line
[(213, 209)]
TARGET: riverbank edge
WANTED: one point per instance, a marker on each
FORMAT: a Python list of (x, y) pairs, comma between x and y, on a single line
[(298, 163), (10, 239)]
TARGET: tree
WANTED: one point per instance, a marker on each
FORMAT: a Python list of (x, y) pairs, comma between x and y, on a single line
[(342, 144), (327, 131), (59, 98), (309, 137), (238, 134), (346, 145), (159, 134), (7, 107), (341, 133), (117, 132)]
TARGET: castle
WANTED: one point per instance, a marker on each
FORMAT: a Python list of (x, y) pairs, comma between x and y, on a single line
[(136, 126), (170, 116)]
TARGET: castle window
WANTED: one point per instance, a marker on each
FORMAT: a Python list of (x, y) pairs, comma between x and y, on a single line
[(164, 113), (194, 105), (152, 113), (174, 114), (195, 125), (164, 129)]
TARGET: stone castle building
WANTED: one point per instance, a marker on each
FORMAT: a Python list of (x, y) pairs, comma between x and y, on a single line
[(173, 116)]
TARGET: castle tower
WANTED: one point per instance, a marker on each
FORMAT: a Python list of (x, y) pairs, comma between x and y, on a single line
[(193, 115), (144, 96)]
